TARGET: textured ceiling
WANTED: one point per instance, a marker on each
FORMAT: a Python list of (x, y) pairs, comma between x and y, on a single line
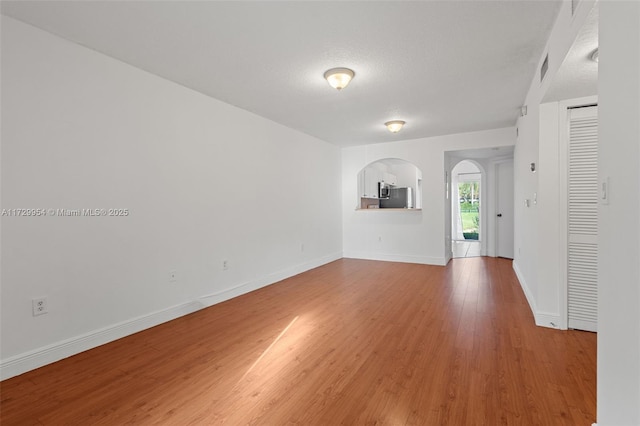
[(578, 74), (443, 66)]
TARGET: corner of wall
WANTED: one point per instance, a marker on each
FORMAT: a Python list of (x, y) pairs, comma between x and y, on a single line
[(542, 319)]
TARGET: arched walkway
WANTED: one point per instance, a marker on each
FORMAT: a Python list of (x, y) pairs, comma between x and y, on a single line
[(466, 184)]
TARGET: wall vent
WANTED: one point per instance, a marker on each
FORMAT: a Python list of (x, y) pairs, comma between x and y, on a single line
[(544, 68)]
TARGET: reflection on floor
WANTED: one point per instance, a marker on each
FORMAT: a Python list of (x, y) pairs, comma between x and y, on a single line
[(468, 248)]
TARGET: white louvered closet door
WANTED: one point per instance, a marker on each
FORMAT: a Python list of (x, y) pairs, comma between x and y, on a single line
[(582, 257)]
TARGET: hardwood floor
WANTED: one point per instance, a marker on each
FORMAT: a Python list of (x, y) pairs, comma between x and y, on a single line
[(352, 342)]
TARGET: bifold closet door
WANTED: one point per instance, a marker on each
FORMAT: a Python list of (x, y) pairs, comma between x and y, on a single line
[(582, 256)]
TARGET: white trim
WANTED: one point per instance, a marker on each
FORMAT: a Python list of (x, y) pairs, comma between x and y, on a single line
[(230, 293), (482, 212), (584, 325), (548, 319), (39, 357), (448, 258), (496, 200), (483, 235), (525, 288), (563, 204), (424, 260), (542, 319), (563, 211)]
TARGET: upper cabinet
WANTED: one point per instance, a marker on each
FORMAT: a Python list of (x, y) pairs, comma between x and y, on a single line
[(390, 178), (370, 178)]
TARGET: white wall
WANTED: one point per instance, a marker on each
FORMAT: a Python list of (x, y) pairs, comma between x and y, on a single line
[(619, 221), (203, 181), (548, 195), (551, 297), (465, 167), (536, 246), (537, 250), (408, 236), (405, 174), (525, 261)]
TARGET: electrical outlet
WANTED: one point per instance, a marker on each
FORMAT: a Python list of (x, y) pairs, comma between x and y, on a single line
[(173, 276), (39, 306), (225, 265)]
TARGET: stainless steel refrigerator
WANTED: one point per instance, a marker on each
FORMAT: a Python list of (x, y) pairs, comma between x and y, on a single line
[(399, 198)]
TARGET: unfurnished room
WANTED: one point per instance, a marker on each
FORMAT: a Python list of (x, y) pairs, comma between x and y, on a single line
[(320, 212)]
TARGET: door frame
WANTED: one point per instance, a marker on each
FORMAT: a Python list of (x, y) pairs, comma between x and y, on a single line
[(482, 212), (563, 220)]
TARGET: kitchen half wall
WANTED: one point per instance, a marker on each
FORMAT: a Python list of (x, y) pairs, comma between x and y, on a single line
[(407, 236)]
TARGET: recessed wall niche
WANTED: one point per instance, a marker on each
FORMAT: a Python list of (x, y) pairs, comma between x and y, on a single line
[(389, 183)]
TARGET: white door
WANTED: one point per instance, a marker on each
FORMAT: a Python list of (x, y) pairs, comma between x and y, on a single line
[(582, 256), (504, 216)]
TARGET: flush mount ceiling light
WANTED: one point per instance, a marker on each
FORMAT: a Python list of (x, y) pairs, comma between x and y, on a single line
[(394, 126), (594, 56), (338, 78)]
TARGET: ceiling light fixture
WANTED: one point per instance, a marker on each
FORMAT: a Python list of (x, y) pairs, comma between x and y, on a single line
[(394, 126), (594, 56), (338, 78)]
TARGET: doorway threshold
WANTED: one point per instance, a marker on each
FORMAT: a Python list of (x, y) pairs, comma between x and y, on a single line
[(465, 248)]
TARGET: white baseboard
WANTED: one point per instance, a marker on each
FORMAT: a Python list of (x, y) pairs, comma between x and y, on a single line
[(542, 319), (547, 319), (424, 260), (584, 325), (221, 296), (33, 359), (39, 357), (525, 287)]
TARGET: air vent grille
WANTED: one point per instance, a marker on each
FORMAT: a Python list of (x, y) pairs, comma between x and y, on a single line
[(544, 68)]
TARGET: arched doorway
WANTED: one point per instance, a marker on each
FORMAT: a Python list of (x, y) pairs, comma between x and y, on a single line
[(466, 191)]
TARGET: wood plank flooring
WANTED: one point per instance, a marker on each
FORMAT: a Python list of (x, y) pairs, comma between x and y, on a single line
[(353, 342)]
